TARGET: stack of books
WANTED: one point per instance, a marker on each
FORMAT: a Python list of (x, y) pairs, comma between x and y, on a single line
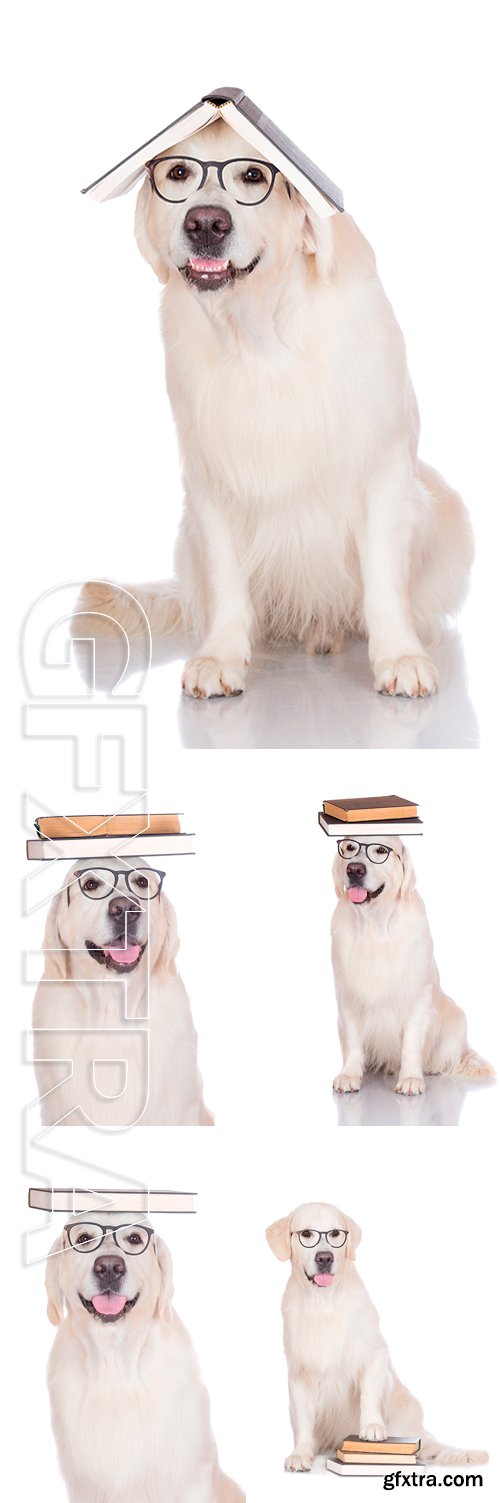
[(69, 837), (373, 1458), (388, 815)]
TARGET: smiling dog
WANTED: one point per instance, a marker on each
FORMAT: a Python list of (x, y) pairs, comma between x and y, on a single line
[(392, 1012), (111, 1001), (308, 513), (129, 1411), (341, 1378)]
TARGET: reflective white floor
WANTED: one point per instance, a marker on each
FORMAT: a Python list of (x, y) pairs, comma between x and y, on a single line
[(441, 1105), (292, 699)]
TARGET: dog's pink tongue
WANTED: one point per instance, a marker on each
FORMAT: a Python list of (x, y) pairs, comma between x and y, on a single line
[(109, 1304), (323, 1279), (357, 894), (122, 954), (201, 263)]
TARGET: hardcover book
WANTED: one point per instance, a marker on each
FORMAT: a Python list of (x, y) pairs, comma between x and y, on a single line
[(389, 806), (57, 826), (83, 847), (369, 829), (77, 1202), (245, 117)]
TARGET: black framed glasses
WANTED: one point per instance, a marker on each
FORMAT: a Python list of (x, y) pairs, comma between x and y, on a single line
[(87, 1236), (97, 882), (247, 179), (376, 852), (310, 1238)]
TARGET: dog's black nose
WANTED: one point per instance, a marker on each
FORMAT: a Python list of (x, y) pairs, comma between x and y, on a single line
[(356, 870), (207, 228), (109, 1268), (118, 906), (324, 1261)]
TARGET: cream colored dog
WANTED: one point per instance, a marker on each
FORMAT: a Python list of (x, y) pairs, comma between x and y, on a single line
[(392, 1012), (341, 1378), (308, 513), (130, 1414), (112, 1008)]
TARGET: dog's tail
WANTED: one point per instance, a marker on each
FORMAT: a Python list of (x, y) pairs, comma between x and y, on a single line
[(443, 1455), (473, 1067), (136, 608)]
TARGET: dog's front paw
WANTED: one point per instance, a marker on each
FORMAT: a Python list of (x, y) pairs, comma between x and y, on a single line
[(210, 678), (346, 1083), (296, 1463), (411, 1085), (373, 1432), (414, 677)]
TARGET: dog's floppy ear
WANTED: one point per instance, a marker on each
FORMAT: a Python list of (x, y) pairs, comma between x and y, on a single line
[(142, 234), (338, 868), (56, 955), (409, 878), (55, 1296), (170, 942), (318, 239), (279, 1239), (166, 1278), (353, 1239)]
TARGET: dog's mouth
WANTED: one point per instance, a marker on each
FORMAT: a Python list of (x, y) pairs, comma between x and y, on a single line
[(322, 1280), (362, 895), (123, 954), (109, 1306), (210, 272)]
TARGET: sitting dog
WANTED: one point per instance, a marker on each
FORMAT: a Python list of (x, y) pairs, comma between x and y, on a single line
[(130, 1414), (112, 1003), (341, 1378), (308, 513), (392, 1012)]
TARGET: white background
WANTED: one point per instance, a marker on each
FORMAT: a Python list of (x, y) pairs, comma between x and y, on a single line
[(395, 101)]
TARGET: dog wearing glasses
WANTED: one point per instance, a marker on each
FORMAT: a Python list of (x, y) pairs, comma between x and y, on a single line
[(308, 514), (392, 1012), (114, 1040), (341, 1378), (130, 1414)]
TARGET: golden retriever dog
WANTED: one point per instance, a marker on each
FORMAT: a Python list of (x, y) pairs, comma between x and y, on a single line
[(112, 1004), (308, 513), (392, 1012), (341, 1378), (130, 1414)]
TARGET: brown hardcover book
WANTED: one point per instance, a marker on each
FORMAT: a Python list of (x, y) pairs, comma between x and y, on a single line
[(70, 826), (398, 1445), (388, 806), (375, 1458)]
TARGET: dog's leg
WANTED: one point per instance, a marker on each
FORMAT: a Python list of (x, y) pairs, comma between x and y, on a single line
[(221, 664), (351, 1073), (400, 663), (302, 1417), (374, 1390), (411, 1080)]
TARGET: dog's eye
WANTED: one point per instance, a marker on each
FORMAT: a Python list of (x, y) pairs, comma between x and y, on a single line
[(134, 1238), (307, 1233), (253, 175), (90, 885), (179, 173), (381, 850), (141, 882), (84, 1237)]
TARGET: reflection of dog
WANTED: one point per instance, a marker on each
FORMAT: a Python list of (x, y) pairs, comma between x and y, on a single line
[(308, 512), (130, 1414), (341, 1378), (116, 1008), (392, 1012)]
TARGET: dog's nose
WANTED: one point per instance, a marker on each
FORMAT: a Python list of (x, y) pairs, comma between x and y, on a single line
[(109, 1267), (357, 870), (324, 1261), (118, 906), (207, 228)]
